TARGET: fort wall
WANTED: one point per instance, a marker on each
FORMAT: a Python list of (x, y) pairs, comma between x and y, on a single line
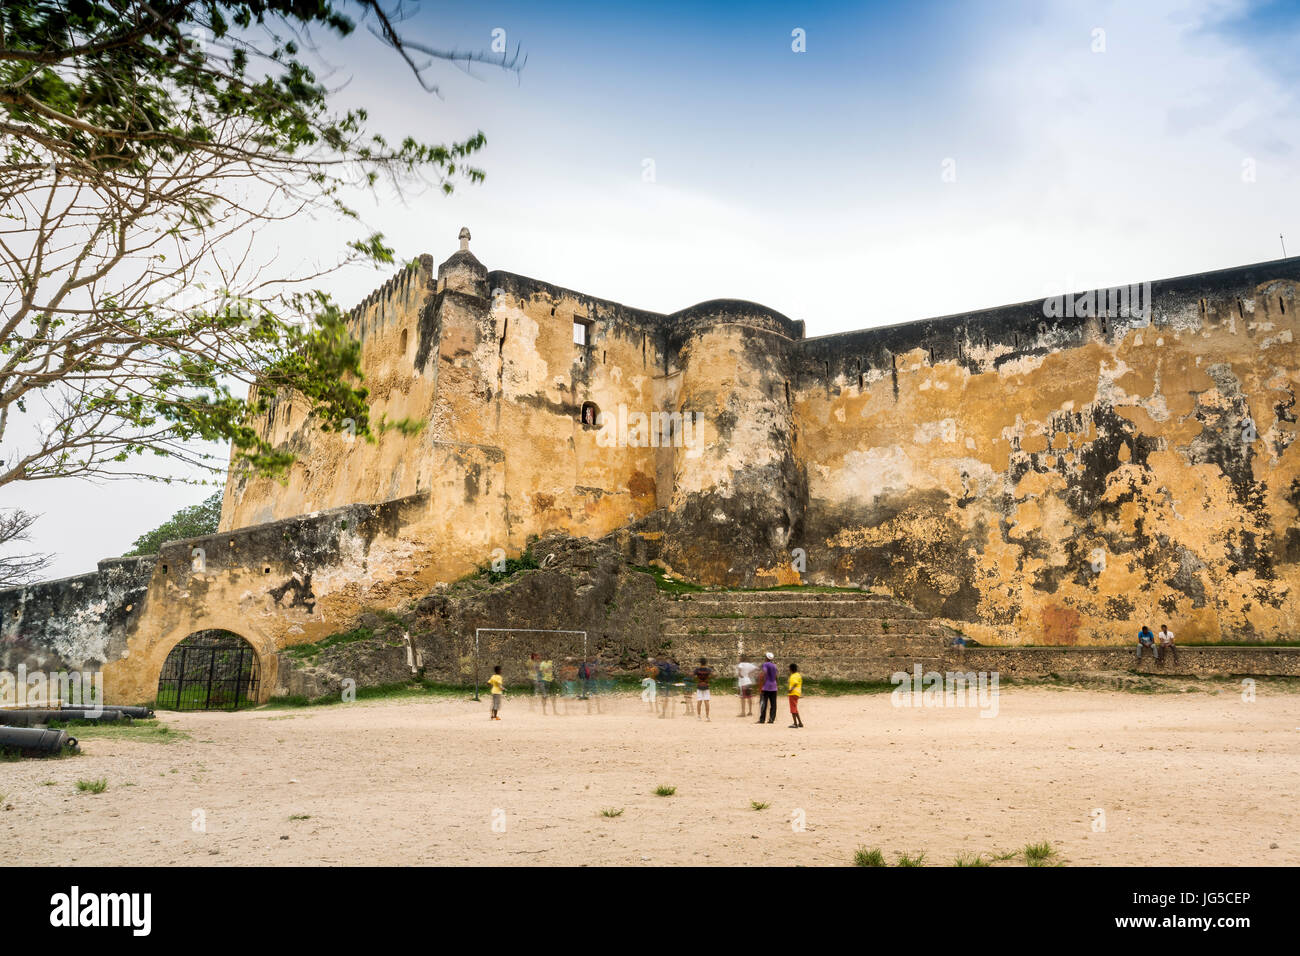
[(1073, 478), (1047, 473)]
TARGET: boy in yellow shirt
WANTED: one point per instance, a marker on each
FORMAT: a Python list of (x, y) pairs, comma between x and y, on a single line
[(498, 690), (795, 690)]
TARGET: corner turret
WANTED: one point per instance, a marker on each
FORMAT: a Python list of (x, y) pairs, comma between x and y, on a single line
[(463, 272)]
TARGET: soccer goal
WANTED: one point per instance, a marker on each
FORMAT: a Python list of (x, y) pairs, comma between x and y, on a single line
[(561, 656)]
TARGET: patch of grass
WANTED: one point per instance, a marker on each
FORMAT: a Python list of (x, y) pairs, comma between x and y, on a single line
[(418, 688), (1038, 854), (1003, 857), (147, 731), (807, 588), (841, 688), (612, 812), (1238, 644), (906, 859), (92, 786), (663, 790), (970, 859), (873, 857), (308, 651), (759, 805), (525, 562), (300, 816), (666, 584)]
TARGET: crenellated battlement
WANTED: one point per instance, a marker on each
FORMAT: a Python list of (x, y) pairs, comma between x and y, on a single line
[(417, 275)]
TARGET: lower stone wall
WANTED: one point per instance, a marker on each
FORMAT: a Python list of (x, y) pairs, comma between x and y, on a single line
[(1192, 661), (585, 585)]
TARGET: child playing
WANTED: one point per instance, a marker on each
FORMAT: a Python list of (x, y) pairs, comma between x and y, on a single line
[(703, 674), (648, 691), (795, 691), (498, 691)]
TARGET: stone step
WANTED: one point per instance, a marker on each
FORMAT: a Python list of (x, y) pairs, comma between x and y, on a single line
[(815, 643), (764, 597), (866, 626), (795, 608)]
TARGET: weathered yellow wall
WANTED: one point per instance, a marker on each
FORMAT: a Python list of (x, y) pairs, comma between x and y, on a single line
[(976, 466), (498, 394), (990, 495)]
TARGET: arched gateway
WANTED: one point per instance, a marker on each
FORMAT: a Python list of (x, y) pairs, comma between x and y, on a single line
[(210, 670)]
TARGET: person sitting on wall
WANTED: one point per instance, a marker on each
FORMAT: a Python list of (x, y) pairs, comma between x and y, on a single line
[(1165, 642), (1146, 640)]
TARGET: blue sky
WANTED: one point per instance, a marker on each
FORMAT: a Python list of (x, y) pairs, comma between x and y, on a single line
[(814, 182)]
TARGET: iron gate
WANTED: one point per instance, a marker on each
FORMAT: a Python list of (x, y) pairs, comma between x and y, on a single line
[(210, 670)]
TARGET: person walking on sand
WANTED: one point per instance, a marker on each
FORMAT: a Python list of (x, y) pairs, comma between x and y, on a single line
[(703, 673), (1165, 642), (745, 684), (649, 674), (540, 687), (795, 690), (768, 692), (547, 669), (498, 691)]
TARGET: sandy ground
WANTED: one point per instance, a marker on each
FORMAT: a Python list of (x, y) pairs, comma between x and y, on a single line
[(1194, 778)]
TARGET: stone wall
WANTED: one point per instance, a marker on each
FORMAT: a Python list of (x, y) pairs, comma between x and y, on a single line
[(276, 585), (1193, 661), (1072, 478), (1048, 472)]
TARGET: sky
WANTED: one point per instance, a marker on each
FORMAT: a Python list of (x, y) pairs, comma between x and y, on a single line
[(912, 160)]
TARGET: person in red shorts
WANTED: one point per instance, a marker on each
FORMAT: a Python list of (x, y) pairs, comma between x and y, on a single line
[(795, 690)]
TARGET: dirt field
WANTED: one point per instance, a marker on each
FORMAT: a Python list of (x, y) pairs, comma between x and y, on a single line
[(1195, 778)]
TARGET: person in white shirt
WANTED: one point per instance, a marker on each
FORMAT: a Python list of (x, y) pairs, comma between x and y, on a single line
[(1165, 642), (745, 683)]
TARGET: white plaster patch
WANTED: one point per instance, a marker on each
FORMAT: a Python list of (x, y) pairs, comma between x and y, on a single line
[(944, 431), (1024, 365), (870, 473)]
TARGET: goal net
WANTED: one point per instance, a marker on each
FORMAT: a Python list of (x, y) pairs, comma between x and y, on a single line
[(543, 662)]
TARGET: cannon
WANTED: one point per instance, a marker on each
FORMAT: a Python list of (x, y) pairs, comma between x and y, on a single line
[(36, 741), (33, 716)]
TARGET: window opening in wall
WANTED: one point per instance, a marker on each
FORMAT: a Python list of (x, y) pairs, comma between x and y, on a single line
[(589, 414), (581, 332), (403, 342)]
